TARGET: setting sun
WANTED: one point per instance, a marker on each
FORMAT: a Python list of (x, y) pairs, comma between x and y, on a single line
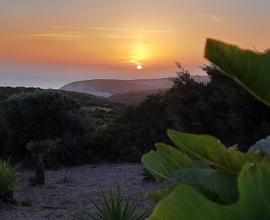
[(139, 66)]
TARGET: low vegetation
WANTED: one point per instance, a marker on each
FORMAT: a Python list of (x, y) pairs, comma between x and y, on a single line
[(113, 207), (49, 114), (8, 181)]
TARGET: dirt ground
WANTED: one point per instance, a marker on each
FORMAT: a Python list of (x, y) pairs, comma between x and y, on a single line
[(67, 193)]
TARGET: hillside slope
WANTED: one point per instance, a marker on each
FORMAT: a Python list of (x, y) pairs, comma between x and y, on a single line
[(108, 87), (125, 91)]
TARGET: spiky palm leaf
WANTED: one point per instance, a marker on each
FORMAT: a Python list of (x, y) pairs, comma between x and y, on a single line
[(113, 207)]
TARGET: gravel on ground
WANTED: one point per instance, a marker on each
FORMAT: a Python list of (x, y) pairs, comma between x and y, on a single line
[(67, 192)]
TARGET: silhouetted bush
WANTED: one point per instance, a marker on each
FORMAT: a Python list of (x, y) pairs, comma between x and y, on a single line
[(37, 116), (220, 108)]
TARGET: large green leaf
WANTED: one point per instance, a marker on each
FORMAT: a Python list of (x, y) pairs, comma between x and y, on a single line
[(210, 150), (213, 184), (163, 162), (248, 68), (185, 203), (161, 194)]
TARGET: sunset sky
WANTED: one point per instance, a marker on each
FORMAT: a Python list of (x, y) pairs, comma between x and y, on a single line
[(49, 43)]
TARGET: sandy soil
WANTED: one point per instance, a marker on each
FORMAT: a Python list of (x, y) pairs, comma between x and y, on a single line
[(68, 192)]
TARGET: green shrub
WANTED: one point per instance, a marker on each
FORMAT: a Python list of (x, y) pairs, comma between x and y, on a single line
[(113, 207), (205, 173), (38, 115), (8, 176)]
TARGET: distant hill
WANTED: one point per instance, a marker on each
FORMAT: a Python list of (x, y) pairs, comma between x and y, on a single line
[(108, 87), (124, 91)]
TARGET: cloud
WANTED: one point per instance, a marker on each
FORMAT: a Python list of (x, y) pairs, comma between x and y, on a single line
[(56, 36), (116, 29), (213, 18), (119, 36), (61, 36), (67, 33)]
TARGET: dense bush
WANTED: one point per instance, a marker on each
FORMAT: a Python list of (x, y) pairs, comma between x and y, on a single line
[(105, 144), (220, 108), (141, 126), (36, 116), (87, 136)]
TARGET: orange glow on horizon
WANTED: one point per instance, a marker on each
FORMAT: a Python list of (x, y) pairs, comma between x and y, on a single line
[(83, 50), (124, 34)]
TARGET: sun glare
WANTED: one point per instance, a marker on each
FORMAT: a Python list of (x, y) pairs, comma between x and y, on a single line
[(139, 66), (139, 54)]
